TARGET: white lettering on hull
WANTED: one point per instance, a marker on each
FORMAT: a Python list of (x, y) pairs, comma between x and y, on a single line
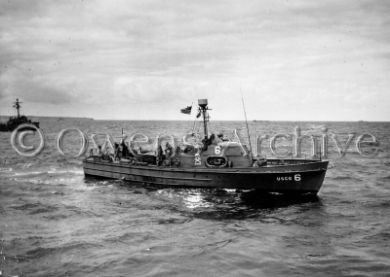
[(296, 178)]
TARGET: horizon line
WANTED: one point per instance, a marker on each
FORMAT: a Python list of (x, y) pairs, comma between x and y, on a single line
[(249, 120)]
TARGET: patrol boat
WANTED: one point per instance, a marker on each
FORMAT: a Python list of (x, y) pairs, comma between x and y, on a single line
[(209, 163), (14, 122)]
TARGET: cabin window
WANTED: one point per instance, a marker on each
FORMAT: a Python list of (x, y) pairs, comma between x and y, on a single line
[(233, 151)]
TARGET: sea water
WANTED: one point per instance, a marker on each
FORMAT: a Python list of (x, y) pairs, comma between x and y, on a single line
[(55, 222)]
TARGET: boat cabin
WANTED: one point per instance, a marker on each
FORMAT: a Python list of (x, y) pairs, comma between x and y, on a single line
[(218, 155)]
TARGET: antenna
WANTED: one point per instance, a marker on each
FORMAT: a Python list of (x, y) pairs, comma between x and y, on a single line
[(17, 106), (320, 155), (247, 127), (320, 152)]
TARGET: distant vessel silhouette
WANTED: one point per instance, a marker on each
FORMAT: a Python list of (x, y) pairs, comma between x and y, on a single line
[(13, 122)]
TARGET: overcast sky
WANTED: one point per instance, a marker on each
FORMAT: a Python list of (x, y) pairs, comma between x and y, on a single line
[(292, 60)]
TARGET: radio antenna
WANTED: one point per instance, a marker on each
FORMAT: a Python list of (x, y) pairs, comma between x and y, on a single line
[(247, 127)]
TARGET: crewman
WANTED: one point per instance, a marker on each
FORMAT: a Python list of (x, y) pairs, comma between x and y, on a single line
[(168, 150), (125, 149), (222, 137), (99, 151), (160, 155)]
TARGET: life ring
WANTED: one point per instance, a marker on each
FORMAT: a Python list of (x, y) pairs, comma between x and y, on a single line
[(216, 161), (197, 159)]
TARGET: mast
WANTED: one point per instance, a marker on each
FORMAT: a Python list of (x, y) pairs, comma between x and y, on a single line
[(203, 109), (17, 106)]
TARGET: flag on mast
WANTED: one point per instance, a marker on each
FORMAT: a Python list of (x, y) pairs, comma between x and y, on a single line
[(186, 110)]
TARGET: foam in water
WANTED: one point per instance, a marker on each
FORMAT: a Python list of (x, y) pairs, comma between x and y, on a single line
[(109, 228)]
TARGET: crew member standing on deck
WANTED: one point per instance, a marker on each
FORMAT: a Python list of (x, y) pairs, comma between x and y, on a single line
[(168, 150)]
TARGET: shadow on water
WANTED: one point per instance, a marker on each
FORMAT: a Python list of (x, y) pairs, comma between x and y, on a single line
[(223, 204), (208, 203), (252, 204), (260, 200)]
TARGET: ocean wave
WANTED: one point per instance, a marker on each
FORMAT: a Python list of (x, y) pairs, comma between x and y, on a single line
[(55, 222), (40, 252), (345, 178), (27, 174), (35, 208), (386, 178), (75, 171), (41, 174)]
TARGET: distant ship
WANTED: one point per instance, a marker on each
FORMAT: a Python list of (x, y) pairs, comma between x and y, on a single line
[(14, 122), (212, 163)]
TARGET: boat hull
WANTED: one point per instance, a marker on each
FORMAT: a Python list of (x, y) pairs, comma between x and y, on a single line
[(295, 177), (6, 127)]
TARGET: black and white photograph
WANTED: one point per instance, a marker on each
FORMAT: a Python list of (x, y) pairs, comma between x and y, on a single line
[(194, 138)]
